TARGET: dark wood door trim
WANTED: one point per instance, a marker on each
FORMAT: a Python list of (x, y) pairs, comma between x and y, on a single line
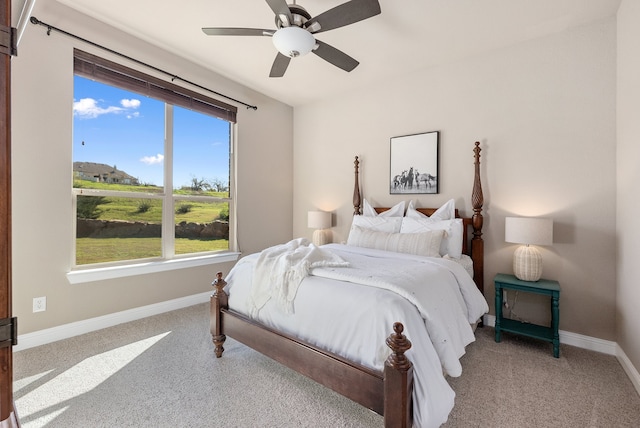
[(7, 413)]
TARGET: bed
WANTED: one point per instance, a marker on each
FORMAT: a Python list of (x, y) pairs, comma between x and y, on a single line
[(406, 381)]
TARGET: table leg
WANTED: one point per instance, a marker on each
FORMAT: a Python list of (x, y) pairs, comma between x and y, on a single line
[(498, 303), (555, 321)]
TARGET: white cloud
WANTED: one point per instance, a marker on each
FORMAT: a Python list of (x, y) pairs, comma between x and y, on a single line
[(152, 160), (88, 108), (132, 103)]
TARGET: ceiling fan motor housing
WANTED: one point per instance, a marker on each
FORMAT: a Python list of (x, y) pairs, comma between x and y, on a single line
[(299, 15)]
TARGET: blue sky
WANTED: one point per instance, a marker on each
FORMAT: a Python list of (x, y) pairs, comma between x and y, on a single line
[(126, 130)]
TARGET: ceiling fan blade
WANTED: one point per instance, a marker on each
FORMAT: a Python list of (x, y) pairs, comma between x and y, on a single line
[(335, 56), (281, 9), (280, 65), (238, 32), (344, 14)]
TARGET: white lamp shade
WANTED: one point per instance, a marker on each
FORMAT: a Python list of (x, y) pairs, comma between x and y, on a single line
[(293, 41), (527, 260), (319, 220), (528, 230)]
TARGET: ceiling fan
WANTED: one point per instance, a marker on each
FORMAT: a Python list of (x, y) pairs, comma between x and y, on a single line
[(295, 31)]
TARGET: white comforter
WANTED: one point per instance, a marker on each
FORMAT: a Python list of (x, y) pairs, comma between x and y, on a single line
[(351, 310)]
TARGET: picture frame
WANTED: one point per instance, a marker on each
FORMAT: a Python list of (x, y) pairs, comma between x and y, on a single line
[(414, 164)]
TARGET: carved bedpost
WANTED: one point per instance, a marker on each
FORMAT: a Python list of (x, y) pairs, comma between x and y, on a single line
[(219, 300), (398, 381), (477, 243), (357, 200)]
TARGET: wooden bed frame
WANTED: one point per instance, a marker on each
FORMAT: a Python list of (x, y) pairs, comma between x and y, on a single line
[(387, 393)]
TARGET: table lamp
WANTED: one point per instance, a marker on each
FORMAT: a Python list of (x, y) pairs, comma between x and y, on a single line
[(319, 220), (530, 231)]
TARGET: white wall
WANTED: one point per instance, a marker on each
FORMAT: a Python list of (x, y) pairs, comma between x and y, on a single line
[(42, 94), (628, 203), (544, 112)]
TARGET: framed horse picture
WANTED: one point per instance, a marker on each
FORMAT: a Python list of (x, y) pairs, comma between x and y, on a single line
[(414, 163)]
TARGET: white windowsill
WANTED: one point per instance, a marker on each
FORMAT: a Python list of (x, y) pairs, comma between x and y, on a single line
[(111, 272)]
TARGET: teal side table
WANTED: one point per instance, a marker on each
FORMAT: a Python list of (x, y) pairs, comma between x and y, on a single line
[(546, 287)]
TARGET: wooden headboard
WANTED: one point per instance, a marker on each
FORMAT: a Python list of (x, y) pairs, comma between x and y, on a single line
[(473, 244)]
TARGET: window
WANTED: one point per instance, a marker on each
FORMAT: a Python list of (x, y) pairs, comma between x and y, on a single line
[(151, 167)]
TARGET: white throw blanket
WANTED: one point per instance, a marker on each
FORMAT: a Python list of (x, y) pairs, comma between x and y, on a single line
[(280, 269)]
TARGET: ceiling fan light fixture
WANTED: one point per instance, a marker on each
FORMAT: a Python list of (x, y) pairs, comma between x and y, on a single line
[(293, 41)]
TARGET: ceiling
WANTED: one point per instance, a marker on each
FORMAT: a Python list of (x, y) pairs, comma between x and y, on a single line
[(408, 35)]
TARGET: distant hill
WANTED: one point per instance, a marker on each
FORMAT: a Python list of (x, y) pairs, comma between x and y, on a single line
[(102, 173)]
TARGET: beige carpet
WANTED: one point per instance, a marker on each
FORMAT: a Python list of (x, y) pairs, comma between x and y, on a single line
[(160, 372)]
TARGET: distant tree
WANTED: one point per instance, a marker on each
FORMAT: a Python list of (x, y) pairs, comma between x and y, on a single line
[(218, 185), (198, 184)]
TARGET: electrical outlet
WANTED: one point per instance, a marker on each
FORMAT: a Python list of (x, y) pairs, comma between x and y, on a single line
[(39, 304)]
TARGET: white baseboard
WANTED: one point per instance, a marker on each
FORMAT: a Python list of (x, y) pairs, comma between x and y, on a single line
[(628, 367), (42, 337), (574, 339), (593, 344)]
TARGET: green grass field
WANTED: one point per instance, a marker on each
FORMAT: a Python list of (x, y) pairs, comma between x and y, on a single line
[(93, 250), (84, 184), (150, 210), (98, 250)]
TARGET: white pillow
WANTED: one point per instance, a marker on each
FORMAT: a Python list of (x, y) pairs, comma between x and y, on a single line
[(413, 212), (445, 212), (382, 224), (452, 240), (421, 244), (395, 211)]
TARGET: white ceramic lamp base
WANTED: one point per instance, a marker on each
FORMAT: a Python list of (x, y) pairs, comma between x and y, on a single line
[(320, 237), (527, 263)]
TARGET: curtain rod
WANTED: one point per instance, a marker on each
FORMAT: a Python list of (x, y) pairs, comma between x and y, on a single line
[(50, 27)]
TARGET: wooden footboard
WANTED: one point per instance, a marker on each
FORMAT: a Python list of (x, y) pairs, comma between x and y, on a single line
[(387, 393)]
